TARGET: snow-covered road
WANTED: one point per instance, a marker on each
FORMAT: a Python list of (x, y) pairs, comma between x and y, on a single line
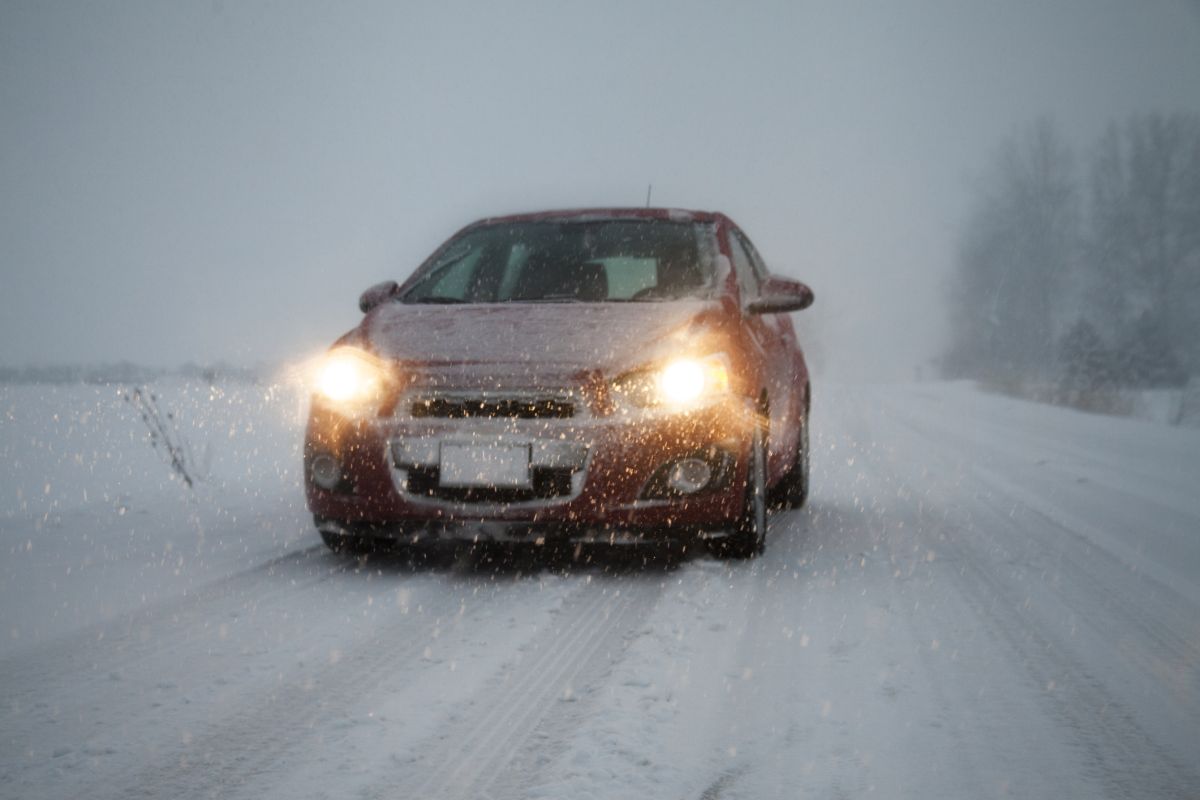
[(984, 598)]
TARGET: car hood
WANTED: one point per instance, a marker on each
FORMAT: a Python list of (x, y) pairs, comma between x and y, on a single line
[(536, 338)]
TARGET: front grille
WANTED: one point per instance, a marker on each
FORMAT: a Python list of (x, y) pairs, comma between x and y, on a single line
[(455, 407), (548, 483)]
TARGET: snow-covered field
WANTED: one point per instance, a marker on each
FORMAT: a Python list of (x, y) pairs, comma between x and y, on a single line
[(985, 598)]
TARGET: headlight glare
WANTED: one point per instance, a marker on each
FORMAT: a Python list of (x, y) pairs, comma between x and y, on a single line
[(349, 376), (680, 382)]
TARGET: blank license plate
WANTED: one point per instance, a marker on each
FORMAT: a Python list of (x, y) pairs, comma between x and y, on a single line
[(500, 466)]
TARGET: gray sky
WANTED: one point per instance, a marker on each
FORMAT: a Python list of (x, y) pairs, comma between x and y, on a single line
[(219, 180)]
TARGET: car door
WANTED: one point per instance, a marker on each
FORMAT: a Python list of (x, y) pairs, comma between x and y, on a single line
[(768, 334)]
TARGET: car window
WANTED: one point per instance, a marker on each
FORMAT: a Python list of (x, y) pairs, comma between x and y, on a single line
[(747, 280), (456, 275), (584, 261), (453, 272), (518, 256), (627, 277), (756, 260)]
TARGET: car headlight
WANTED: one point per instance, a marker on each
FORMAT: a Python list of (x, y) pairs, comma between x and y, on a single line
[(680, 382), (349, 376)]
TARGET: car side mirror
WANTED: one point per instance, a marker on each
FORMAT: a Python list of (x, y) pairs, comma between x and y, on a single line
[(781, 295), (377, 294)]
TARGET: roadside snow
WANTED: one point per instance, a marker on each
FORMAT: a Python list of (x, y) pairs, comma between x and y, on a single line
[(93, 521)]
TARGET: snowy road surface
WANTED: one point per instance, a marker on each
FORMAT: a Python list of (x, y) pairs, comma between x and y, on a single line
[(985, 598)]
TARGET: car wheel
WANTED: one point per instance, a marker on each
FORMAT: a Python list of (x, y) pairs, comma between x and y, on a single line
[(792, 491), (749, 539)]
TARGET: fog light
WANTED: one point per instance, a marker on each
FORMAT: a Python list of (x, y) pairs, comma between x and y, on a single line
[(326, 471), (689, 475)]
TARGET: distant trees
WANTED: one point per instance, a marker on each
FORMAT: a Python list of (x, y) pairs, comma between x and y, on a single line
[(1015, 260), (1105, 298), (1085, 364), (1144, 243)]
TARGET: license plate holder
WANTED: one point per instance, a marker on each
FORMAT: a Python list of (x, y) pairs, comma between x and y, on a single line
[(497, 466)]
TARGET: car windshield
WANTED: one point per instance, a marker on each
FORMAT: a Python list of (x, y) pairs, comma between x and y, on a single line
[(572, 261)]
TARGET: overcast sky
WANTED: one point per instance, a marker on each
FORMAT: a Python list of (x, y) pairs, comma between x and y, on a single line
[(219, 180)]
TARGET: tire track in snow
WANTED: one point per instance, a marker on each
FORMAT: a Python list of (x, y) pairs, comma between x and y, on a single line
[(54, 686), (1127, 760), (1156, 483), (1122, 753), (231, 753), (1107, 553), (1121, 557), (125, 639), (479, 751)]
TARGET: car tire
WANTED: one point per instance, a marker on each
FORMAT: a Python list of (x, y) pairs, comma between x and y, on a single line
[(792, 490), (749, 538)]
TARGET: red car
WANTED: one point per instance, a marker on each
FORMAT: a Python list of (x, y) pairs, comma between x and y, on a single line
[(597, 375)]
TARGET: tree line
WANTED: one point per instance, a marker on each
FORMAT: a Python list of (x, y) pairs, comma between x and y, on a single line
[(1083, 276)]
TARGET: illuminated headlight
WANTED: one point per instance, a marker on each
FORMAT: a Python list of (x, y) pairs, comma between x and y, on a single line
[(688, 380), (350, 377), (680, 382)]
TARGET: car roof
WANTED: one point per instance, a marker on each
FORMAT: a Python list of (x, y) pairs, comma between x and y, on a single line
[(595, 214)]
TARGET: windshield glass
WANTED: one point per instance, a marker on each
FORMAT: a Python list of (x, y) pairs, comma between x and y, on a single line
[(577, 261)]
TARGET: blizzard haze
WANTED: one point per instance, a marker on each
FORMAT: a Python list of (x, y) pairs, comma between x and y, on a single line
[(982, 575), (216, 180)]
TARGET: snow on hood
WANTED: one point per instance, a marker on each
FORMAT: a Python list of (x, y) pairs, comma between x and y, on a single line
[(561, 337)]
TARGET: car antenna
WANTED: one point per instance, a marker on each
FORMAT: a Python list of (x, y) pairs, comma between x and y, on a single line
[(649, 188)]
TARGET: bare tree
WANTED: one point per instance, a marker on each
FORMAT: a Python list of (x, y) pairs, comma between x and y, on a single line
[(1016, 260), (1143, 246)]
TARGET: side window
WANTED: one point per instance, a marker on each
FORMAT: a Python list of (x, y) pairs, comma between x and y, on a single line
[(747, 280), (756, 261)]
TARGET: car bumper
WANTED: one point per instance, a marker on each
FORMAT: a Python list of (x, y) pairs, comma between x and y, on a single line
[(600, 479)]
